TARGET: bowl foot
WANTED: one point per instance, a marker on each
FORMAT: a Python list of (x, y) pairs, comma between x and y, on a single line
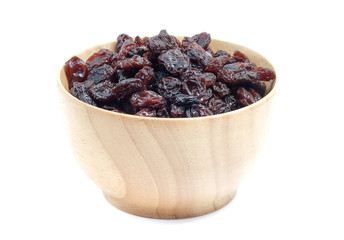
[(173, 213)]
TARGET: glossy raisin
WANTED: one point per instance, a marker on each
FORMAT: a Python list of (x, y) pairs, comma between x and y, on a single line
[(169, 86), (80, 91), (218, 106), (217, 63), (177, 111), (220, 89), (194, 87), (174, 61), (121, 39), (203, 39), (146, 74), (162, 42), (134, 62), (245, 98), (225, 75), (147, 98), (221, 53), (208, 78), (198, 111), (240, 66), (240, 57), (198, 55), (76, 70), (101, 73), (162, 112), (102, 92), (126, 88), (231, 102), (264, 74), (183, 99), (99, 58)]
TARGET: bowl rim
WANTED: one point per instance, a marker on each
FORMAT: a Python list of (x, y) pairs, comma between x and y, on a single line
[(264, 99)]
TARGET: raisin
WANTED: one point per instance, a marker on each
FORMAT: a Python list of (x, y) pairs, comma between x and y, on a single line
[(162, 112), (198, 111), (203, 39), (183, 99), (174, 61), (194, 87), (239, 66), (99, 58), (101, 73), (102, 92), (217, 63), (146, 112), (76, 70), (218, 106), (191, 72), (80, 91), (221, 89), (209, 94), (134, 62), (264, 74), (126, 88), (209, 78), (240, 57), (231, 102), (147, 98), (198, 55), (225, 75), (146, 74), (121, 39), (221, 53), (210, 52), (177, 111), (245, 97), (185, 43), (122, 75), (169, 86), (162, 42)]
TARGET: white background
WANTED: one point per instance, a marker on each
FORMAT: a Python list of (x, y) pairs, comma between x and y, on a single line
[(296, 189)]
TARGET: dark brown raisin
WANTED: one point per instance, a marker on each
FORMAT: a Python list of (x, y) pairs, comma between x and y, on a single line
[(76, 70), (80, 91), (240, 66), (183, 99), (203, 39), (146, 74), (198, 111), (102, 92), (162, 42), (245, 97), (209, 78), (146, 112), (121, 39), (185, 43), (134, 62), (101, 73), (218, 106), (162, 112), (126, 88), (177, 111), (264, 74), (147, 98), (194, 87), (225, 75), (174, 61), (217, 63), (99, 58), (221, 89), (231, 102), (169, 86), (198, 55), (221, 53), (240, 57)]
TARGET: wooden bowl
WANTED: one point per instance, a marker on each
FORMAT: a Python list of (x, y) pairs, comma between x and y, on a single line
[(167, 168)]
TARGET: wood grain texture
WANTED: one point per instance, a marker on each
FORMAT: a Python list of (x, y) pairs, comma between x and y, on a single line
[(167, 168)]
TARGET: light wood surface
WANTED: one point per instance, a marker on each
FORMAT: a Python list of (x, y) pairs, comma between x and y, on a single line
[(167, 168)]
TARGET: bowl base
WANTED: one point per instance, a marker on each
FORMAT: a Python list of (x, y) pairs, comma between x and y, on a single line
[(169, 213)]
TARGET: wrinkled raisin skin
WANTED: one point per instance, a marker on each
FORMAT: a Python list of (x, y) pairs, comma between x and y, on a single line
[(76, 70)]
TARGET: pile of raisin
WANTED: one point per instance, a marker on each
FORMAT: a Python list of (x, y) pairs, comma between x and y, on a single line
[(163, 77)]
